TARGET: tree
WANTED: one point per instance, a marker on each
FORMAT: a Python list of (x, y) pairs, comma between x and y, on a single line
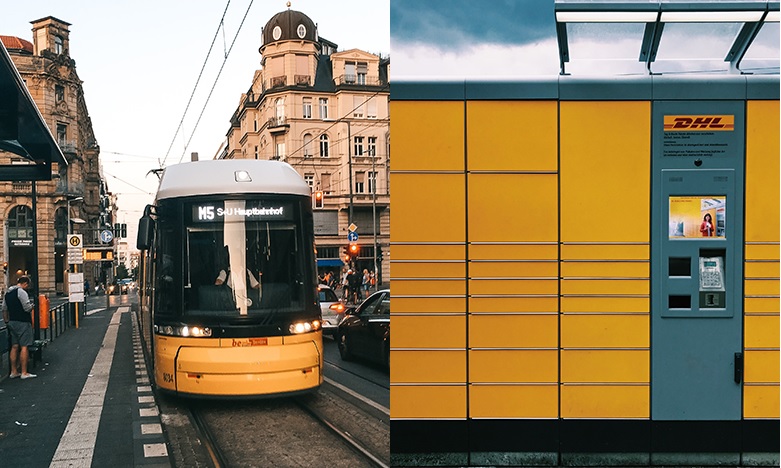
[(122, 271)]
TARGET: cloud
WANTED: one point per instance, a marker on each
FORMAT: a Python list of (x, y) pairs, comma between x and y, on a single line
[(455, 23)]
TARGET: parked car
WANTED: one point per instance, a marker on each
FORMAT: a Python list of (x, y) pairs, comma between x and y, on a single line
[(331, 308), (365, 330)]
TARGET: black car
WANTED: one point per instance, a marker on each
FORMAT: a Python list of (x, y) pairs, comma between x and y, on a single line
[(365, 331)]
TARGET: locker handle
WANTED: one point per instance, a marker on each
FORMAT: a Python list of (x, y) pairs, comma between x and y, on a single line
[(738, 367)]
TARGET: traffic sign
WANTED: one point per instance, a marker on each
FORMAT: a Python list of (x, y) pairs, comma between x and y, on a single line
[(352, 227), (106, 236), (75, 252), (352, 236)]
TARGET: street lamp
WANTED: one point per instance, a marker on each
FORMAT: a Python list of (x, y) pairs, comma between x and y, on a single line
[(68, 201)]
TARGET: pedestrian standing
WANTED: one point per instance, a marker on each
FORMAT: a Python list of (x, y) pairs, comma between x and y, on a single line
[(17, 314)]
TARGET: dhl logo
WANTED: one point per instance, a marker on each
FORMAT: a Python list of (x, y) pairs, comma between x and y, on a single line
[(688, 123)]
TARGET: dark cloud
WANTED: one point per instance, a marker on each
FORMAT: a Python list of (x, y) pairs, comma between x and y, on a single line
[(452, 23)]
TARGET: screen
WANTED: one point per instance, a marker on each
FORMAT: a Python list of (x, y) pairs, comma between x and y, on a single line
[(698, 217)]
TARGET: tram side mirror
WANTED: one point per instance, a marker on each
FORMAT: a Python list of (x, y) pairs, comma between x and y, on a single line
[(145, 232)]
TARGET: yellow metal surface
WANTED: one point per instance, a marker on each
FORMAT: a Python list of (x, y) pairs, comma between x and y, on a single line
[(513, 252), (427, 270), (609, 366), (424, 402), (500, 132), (760, 401), (428, 208), (761, 287), (427, 136), (762, 171), (605, 331), (499, 269), (639, 269), (424, 287), (761, 305), (762, 270), (514, 286), (428, 366), (513, 401), (605, 252), (428, 252), (417, 305), (513, 331), (604, 165), (762, 251), (604, 286), (605, 304), (428, 331), (761, 366), (605, 401), (511, 366), (242, 366), (513, 304), (534, 201), (761, 331)]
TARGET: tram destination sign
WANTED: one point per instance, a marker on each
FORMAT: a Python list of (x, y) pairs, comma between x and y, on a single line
[(238, 211)]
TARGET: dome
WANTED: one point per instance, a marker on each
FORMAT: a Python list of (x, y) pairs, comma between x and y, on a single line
[(16, 44), (289, 25)]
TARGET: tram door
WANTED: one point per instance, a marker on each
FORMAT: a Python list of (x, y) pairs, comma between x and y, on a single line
[(697, 261)]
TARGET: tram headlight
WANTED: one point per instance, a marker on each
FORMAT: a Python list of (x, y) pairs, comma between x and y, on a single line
[(184, 331), (305, 326)]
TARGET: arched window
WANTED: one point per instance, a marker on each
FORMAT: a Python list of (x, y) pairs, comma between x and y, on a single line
[(20, 223), (308, 145), (57, 45), (323, 146)]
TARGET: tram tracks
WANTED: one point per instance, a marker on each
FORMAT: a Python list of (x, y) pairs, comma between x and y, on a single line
[(301, 431)]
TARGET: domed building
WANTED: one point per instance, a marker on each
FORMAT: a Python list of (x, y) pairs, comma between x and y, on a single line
[(325, 112)]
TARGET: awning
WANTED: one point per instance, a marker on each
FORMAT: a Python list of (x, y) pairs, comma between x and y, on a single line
[(329, 262), (23, 131)]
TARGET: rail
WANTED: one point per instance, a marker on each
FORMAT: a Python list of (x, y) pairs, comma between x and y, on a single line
[(60, 319)]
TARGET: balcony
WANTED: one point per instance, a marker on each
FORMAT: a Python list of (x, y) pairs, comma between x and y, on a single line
[(276, 82), (357, 80), (278, 124), (303, 80)]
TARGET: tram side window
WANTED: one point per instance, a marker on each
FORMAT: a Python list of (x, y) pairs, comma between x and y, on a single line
[(165, 272)]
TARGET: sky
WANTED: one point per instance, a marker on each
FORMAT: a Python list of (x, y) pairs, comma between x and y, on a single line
[(139, 62), (463, 39)]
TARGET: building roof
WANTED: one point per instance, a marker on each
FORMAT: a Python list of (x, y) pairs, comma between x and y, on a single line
[(16, 44), (289, 25)]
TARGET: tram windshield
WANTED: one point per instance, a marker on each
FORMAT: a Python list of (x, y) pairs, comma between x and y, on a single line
[(242, 258)]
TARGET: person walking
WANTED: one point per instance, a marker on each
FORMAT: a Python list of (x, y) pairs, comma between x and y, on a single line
[(17, 313)]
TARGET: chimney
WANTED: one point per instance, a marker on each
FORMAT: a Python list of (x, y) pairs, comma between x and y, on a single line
[(193, 157)]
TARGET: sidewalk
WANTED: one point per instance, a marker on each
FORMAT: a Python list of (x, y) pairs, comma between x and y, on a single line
[(91, 404)]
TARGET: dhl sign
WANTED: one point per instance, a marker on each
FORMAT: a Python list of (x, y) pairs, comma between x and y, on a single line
[(694, 123)]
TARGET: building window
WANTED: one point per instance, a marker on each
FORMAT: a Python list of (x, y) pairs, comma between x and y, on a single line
[(349, 72), (59, 93), (372, 179), (323, 108), (371, 108), (323, 146), (256, 124), (371, 149), (363, 69), (307, 111), (325, 180), (360, 182), (256, 151), (62, 133), (308, 145), (280, 154), (57, 45), (358, 145), (20, 224), (279, 110), (358, 106), (310, 180)]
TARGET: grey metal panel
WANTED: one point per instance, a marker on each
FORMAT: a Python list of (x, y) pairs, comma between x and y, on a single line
[(619, 88), (762, 87), (699, 87), (427, 91), (525, 88)]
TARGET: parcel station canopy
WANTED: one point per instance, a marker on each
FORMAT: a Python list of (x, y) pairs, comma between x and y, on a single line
[(668, 36)]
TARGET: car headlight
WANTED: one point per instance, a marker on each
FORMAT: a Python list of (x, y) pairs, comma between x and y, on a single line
[(305, 326), (183, 331)]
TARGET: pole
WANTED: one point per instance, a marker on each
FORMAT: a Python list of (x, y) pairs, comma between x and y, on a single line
[(374, 221), (350, 168), (36, 283)]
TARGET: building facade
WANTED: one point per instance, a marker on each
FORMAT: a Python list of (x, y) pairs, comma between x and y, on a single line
[(324, 112), (77, 195)]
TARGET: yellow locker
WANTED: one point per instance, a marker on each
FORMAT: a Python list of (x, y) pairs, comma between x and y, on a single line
[(762, 171), (439, 148), (761, 366), (427, 305), (428, 208), (429, 287), (513, 331), (417, 252), (633, 269), (511, 251), (605, 401), (511, 366), (428, 401), (604, 286), (761, 287), (605, 304), (500, 132), (446, 331), (434, 366), (513, 401), (513, 304), (509, 269), (401, 269), (762, 269), (610, 366), (760, 401), (761, 331), (513, 286), (605, 331), (605, 252)]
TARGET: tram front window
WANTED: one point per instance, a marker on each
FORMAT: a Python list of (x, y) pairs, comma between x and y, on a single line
[(242, 267)]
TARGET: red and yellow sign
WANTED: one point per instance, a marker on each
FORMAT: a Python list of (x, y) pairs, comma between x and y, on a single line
[(699, 123)]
